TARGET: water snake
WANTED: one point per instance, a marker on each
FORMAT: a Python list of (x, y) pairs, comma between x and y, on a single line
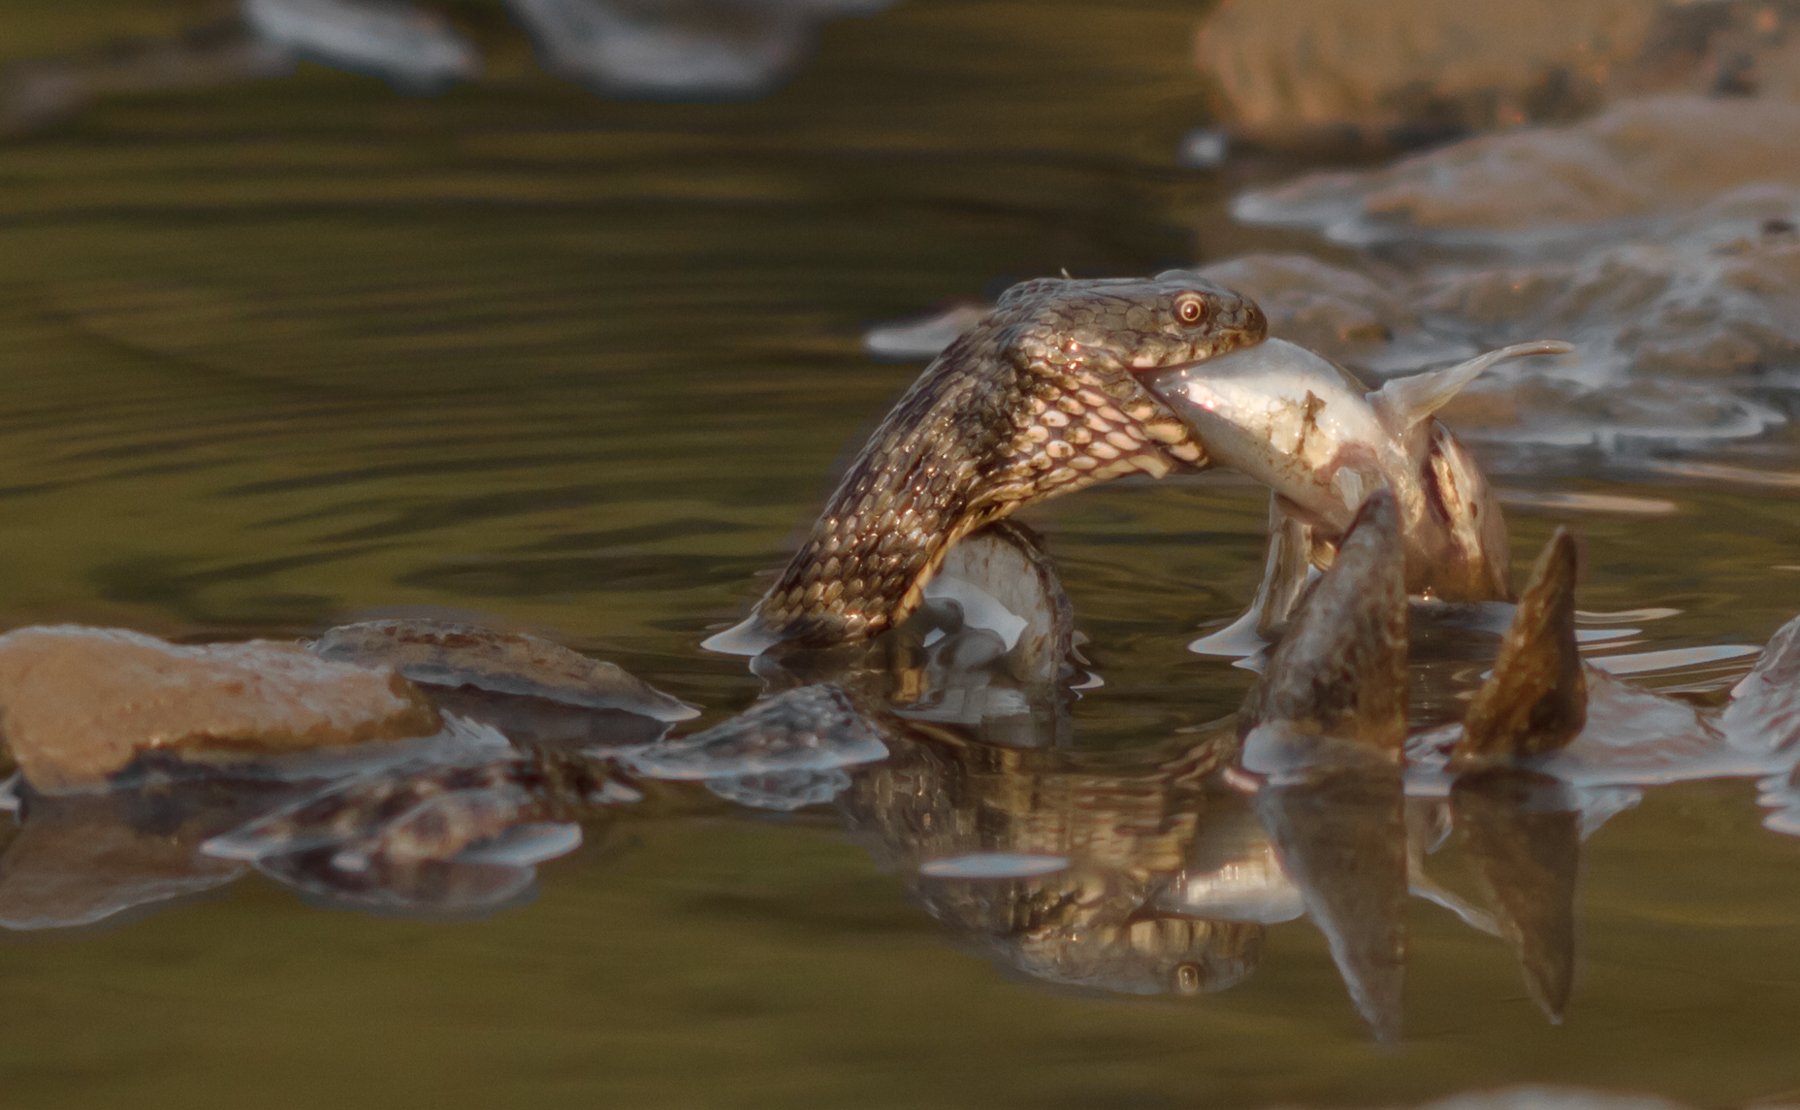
[(1036, 400)]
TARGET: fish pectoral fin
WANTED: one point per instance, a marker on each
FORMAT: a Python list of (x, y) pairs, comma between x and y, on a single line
[(1404, 402)]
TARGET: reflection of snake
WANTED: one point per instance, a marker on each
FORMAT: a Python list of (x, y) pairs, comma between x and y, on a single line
[(1126, 829), (1037, 400)]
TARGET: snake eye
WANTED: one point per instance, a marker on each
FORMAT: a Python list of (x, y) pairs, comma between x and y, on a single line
[(1187, 979), (1190, 309)]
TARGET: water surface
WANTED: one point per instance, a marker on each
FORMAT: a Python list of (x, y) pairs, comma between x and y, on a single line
[(292, 351)]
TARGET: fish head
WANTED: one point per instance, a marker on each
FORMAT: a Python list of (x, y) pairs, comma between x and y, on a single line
[(1290, 419)]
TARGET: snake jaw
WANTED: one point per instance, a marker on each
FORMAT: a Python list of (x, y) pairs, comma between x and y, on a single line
[(1038, 399)]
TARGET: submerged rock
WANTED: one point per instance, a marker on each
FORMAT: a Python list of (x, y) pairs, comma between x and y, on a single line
[(81, 704), (1707, 295), (434, 813), (1395, 72)]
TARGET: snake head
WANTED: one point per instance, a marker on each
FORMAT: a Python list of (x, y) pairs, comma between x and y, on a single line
[(1119, 324)]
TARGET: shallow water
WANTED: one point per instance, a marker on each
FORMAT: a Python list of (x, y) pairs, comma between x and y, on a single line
[(303, 349)]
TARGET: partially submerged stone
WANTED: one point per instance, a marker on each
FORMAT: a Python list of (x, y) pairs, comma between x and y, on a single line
[(678, 48), (442, 653), (81, 704), (1536, 700), (813, 728), (1764, 714), (923, 336)]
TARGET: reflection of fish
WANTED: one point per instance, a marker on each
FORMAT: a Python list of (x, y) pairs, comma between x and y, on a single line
[(1323, 442), (1323, 729), (1522, 831)]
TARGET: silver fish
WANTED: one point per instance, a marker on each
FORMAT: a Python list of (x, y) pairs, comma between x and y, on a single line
[(1323, 442)]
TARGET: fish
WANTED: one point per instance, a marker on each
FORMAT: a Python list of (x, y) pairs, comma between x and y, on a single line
[(1322, 441)]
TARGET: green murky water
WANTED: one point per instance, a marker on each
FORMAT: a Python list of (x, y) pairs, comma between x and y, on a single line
[(281, 353)]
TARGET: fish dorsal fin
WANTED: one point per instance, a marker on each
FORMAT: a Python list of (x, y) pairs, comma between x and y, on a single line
[(1536, 700), (1404, 402)]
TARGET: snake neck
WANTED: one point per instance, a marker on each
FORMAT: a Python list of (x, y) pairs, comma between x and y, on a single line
[(976, 437)]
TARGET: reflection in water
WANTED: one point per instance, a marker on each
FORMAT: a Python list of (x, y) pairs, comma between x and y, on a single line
[(77, 859), (945, 750), (1522, 831), (1342, 840)]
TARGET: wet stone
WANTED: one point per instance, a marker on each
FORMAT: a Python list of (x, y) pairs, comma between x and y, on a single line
[(438, 653), (813, 728), (81, 704)]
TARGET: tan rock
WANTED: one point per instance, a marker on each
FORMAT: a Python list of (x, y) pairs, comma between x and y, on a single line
[(1384, 72), (77, 705)]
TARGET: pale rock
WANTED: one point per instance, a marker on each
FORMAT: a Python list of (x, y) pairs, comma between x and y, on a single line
[(78, 705)]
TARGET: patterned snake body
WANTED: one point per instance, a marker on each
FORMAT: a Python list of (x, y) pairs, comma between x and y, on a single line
[(1038, 399)]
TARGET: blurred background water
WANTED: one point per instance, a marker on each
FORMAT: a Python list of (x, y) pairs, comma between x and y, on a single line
[(292, 346)]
